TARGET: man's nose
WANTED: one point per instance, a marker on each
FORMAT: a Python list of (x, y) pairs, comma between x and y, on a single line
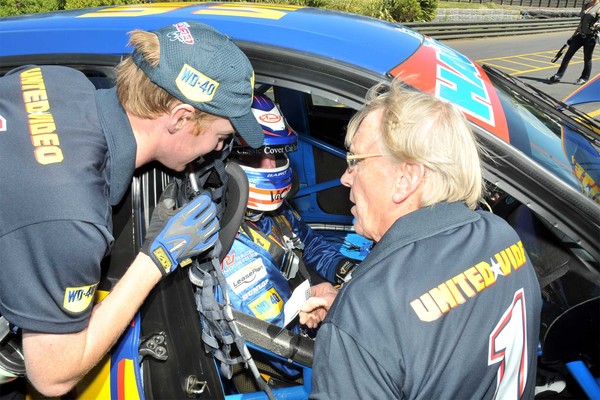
[(346, 179)]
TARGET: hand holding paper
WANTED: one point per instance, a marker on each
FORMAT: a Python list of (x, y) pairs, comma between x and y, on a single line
[(314, 309), (292, 306)]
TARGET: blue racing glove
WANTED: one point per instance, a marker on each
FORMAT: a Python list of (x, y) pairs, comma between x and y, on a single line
[(175, 235)]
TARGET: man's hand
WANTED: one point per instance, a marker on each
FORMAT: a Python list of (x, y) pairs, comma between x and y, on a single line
[(177, 234), (314, 310)]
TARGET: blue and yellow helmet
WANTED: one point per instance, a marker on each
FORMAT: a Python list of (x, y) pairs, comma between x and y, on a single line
[(268, 167)]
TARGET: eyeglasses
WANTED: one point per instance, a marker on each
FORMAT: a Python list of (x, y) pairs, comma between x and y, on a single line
[(353, 159)]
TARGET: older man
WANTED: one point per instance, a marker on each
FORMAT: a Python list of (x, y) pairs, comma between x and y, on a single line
[(447, 304)]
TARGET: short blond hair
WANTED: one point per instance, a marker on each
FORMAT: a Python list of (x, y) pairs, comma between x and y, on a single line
[(138, 94), (421, 129)]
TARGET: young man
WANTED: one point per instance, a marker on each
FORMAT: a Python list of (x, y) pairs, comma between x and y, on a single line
[(447, 304), (69, 154)]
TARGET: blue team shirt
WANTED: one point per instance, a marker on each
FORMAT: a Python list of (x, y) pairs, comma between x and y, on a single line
[(446, 306), (67, 153)]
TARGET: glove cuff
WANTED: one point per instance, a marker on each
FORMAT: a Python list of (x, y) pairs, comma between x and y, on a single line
[(344, 269), (161, 258)]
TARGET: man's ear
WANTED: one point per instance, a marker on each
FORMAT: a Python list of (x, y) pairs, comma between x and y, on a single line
[(180, 115), (408, 180)]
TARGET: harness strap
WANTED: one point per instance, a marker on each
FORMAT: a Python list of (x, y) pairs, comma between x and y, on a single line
[(268, 242), (293, 268), (219, 329)]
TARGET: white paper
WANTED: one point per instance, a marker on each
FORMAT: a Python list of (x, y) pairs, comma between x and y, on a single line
[(292, 307)]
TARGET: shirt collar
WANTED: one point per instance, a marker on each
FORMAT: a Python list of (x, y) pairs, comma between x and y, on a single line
[(420, 224)]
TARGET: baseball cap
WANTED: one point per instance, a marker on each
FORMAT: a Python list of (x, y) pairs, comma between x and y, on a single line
[(204, 68)]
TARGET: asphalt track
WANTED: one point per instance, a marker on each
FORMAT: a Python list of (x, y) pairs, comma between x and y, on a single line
[(528, 57)]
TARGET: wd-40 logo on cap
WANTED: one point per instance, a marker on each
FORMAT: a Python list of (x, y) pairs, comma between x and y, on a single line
[(183, 33), (196, 86), (78, 299)]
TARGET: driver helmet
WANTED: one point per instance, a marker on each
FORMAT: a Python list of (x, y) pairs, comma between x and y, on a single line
[(268, 167)]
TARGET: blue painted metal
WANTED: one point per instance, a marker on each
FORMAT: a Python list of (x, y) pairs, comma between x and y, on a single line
[(586, 380), (305, 191), (588, 93), (379, 47), (127, 348), (305, 200), (291, 393)]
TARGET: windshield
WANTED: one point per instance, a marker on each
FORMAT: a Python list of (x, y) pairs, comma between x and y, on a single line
[(551, 139)]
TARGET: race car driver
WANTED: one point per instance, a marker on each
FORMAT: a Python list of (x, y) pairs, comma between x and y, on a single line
[(274, 250), (274, 245)]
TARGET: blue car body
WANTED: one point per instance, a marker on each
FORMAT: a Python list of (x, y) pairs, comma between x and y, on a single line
[(104, 31)]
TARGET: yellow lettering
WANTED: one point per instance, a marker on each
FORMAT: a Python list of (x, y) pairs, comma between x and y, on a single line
[(124, 11), (425, 308), (451, 293), (37, 106), (34, 85), (31, 96), (41, 123), (504, 261), (242, 10), (37, 129), (519, 253), (461, 281), (40, 118), (455, 292), (475, 278), (485, 271), (46, 139), (48, 155), (31, 76), (443, 298)]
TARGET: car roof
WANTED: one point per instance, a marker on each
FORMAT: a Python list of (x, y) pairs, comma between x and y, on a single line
[(369, 44), (336, 35)]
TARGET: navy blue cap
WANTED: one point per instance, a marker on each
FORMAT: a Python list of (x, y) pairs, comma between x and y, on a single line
[(204, 68)]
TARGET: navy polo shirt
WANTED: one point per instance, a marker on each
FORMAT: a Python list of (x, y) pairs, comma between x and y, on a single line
[(67, 153)]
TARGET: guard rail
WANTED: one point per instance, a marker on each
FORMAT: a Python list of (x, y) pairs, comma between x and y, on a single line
[(464, 30)]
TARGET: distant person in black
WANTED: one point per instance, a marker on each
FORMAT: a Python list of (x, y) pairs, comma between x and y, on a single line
[(585, 36)]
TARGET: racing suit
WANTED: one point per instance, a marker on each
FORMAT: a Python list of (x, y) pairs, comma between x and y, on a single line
[(256, 267), (67, 154), (446, 306)]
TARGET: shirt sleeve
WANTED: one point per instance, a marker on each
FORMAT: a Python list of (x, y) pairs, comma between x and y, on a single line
[(318, 254), (50, 274), (343, 369)]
